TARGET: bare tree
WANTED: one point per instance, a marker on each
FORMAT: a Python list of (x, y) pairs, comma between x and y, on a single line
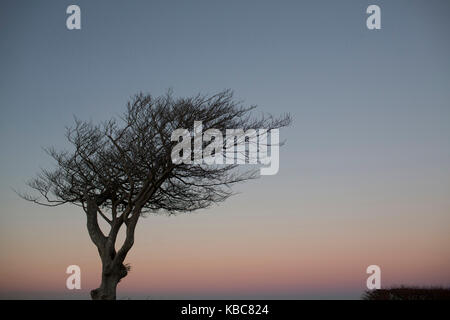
[(122, 168)]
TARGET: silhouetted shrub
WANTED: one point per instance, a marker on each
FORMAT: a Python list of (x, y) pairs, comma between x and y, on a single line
[(408, 293)]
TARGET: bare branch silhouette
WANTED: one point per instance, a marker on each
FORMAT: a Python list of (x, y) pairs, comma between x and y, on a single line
[(119, 169)]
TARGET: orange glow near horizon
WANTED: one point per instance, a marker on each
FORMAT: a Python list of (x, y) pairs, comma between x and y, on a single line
[(199, 255)]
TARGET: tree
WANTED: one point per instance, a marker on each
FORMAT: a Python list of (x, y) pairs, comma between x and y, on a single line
[(120, 169)]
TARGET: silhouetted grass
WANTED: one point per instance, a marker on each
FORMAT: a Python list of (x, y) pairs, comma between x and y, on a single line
[(408, 293)]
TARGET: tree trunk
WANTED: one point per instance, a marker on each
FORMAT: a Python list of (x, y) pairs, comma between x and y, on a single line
[(107, 289), (113, 269), (111, 276)]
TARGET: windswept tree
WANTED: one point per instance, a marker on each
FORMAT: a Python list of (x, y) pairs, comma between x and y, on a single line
[(120, 169)]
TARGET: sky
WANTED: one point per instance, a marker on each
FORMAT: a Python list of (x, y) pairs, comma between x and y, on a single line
[(364, 175)]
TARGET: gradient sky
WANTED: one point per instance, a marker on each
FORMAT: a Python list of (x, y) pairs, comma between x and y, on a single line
[(364, 176)]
